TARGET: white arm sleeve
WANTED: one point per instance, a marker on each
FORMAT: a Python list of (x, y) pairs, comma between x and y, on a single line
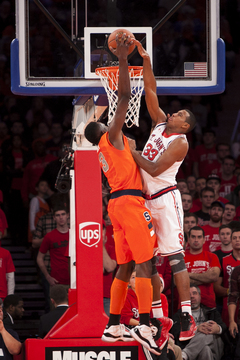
[(10, 282), (33, 209)]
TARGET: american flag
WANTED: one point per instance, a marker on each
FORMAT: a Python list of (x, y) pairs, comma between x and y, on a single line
[(195, 69)]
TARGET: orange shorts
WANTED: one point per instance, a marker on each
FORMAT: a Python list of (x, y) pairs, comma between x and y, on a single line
[(133, 230)]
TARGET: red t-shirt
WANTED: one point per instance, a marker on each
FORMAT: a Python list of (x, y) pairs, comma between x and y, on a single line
[(197, 204), (6, 266), (212, 241), (56, 242), (223, 200), (32, 173), (3, 218), (205, 158), (110, 247), (227, 186), (198, 264), (229, 262)]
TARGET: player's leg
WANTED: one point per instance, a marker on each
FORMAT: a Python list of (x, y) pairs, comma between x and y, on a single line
[(142, 332), (181, 278), (167, 216), (114, 330), (139, 243)]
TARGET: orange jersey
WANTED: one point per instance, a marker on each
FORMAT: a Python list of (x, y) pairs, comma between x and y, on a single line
[(118, 165)]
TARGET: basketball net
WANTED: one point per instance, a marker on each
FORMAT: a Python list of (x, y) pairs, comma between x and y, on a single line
[(109, 78)]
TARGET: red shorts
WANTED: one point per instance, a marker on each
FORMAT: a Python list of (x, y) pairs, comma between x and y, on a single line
[(133, 230)]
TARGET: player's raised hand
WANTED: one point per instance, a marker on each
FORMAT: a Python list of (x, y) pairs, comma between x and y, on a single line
[(141, 49), (123, 42)]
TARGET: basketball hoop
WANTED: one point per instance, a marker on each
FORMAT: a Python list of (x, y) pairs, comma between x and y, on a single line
[(109, 78)]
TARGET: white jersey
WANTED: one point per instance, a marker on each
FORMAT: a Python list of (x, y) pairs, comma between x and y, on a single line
[(157, 143)]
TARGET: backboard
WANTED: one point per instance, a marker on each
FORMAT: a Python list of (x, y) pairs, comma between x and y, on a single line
[(59, 44)]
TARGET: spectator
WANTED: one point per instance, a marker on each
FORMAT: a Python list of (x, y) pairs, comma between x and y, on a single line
[(9, 341), (188, 205), (191, 183), (56, 242), (38, 206), (7, 269), (211, 230), (4, 223), (229, 180), (45, 225), (34, 170), (17, 129), (43, 131), (190, 220), (234, 196), (206, 197), (55, 143), (109, 265), (13, 309), (214, 181), (207, 343), (223, 150), (200, 184), (229, 214), (59, 299), (186, 202), (38, 110), (229, 262), (14, 163), (182, 186), (233, 303), (205, 154), (203, 266), (4, 132), (225, 233), (52, 169)]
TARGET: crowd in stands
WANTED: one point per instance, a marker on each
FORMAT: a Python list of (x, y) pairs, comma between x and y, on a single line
[(33, 131)]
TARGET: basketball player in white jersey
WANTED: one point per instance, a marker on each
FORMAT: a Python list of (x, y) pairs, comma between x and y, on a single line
[(160, 160)]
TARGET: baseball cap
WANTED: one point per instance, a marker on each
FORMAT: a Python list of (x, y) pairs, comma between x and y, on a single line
[(217, 203), (214, 177)]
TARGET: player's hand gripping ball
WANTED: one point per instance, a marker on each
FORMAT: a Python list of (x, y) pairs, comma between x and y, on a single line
[(112, 39)]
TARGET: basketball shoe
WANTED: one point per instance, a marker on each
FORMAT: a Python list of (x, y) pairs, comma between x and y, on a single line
[(116, 333), (164, 324), (143, 334), (188, 327)]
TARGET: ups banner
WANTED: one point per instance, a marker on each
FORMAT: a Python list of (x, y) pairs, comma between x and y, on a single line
[(92, 353)]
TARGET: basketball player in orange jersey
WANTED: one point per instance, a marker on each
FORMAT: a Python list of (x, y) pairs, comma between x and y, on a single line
[(132, 224), (160, 160)]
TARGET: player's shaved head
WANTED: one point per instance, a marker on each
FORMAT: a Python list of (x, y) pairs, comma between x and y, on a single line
[(191, 120), (94, 131)]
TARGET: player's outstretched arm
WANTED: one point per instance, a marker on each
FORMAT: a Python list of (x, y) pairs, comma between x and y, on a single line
[(175, 152), (150, 87), (124, 92)]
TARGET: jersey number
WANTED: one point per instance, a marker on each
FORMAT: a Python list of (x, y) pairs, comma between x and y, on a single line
[(103, 162), (150, 153)]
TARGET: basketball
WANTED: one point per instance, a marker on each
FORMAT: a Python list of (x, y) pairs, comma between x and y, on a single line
[(112, 39)]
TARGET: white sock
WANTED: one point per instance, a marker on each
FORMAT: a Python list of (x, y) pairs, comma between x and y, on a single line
[(186, 306), (157, 309)]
